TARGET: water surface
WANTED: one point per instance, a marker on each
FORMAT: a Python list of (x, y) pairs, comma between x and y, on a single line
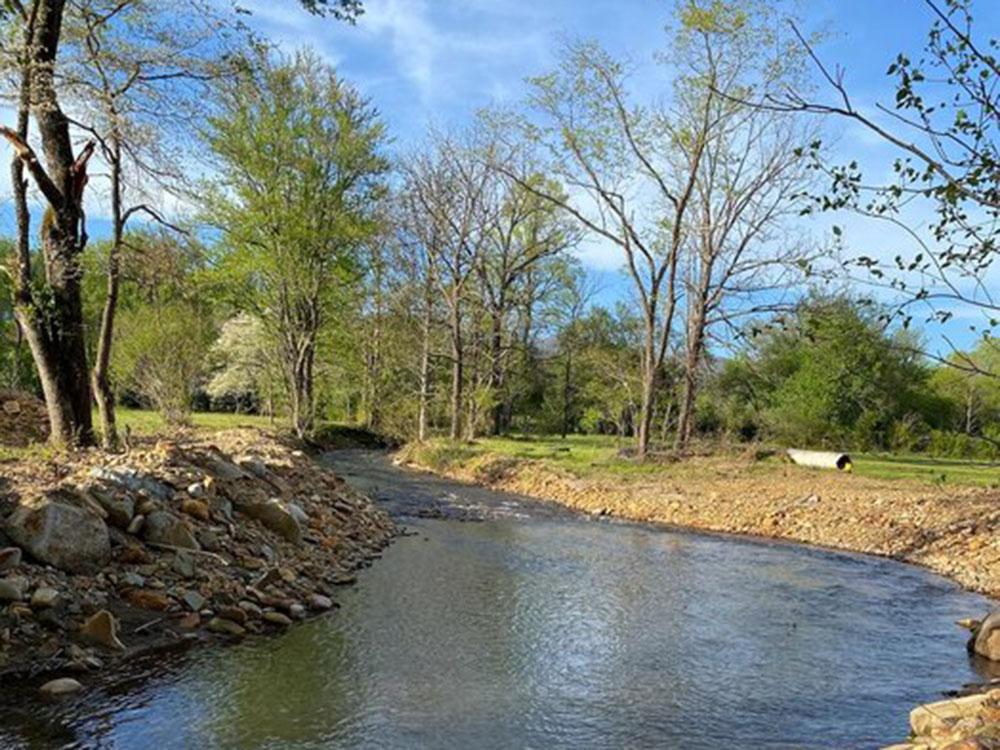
[(536, 629)]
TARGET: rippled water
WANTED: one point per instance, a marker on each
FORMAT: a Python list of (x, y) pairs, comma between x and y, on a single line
[(556, 633)]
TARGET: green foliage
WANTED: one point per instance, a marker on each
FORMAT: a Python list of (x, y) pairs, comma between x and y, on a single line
[(160, 354), (830, 377)]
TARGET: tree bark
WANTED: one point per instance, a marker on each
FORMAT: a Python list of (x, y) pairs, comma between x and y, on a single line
[(53, 326), (103, 395), (456, 372)]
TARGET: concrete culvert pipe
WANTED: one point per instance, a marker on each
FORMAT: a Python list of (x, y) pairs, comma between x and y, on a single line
[(821, 459)]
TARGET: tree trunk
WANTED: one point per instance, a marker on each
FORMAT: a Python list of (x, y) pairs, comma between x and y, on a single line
[(53, 326), (456, 373), (496, 371), (425, 370), (103, 395), (567, 391)]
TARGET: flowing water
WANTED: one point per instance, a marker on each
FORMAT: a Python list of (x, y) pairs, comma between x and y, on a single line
[(535, 628)]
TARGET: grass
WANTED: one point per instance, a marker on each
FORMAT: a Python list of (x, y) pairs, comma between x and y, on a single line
[(598, 455), (142, 422)]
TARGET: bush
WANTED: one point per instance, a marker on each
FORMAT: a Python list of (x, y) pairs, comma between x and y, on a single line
[(160, 355)]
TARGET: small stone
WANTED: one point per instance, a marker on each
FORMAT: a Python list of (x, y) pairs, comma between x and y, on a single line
[(297, 611), (146, 599), (276, 618), (135, 525), (194, 601), (102, 628), (287, 575), (298, 514), (60, 686), (196, 490), (44, 597), (10, 557), (183, 565), (12, 589), (190, 621), (226, 627), (251, 609), (165, 528), (133, 579), (235, 614), (320, 602), (195, 508)]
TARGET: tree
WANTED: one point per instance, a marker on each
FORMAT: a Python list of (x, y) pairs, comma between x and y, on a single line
[(830, 376), (49, 306), (448, 213), (137, 82), (942, 124), (619, 164), (749, 178), (300, 168)]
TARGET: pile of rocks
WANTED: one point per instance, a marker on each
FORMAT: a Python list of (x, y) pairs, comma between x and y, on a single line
[(23, 419), (175, 541), (970, 722)]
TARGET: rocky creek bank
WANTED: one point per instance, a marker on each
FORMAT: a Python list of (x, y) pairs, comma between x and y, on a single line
[(175, 542)]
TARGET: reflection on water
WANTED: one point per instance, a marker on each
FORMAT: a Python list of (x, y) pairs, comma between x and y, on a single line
[(558, 634)]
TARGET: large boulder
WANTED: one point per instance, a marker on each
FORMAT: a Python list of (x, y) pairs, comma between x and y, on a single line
[(165, 528), (274, 515), (65, 536)]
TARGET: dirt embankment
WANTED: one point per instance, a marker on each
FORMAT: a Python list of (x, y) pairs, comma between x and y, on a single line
[(952, 531), (175, 541)]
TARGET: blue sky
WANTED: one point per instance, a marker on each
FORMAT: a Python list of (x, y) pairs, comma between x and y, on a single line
[(426, 62), (436, 62)]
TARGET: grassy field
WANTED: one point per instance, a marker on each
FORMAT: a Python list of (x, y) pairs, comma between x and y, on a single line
[(596, 455), (142, 422)]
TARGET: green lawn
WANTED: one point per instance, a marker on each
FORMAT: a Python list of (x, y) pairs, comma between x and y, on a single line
[(596, 455), (142, 422)]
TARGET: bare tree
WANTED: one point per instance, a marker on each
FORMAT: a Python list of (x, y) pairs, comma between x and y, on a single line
[(620, 166), (446, 191)]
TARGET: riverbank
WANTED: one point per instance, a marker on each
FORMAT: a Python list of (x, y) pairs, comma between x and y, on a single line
[(194, 539)]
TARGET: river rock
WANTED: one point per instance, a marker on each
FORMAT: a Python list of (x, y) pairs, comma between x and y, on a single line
[(101, 628), (60, 686), (147, 599), (44, 597), (119, 508), (195, 508), (986, 641), (194, 600), (12, 589), (937, 717), (134, 480), (162, 527), (274, 515), (64, 536), (10, 557), (298, 514), (277, 618), (320, 602), (233, 614), (183, 565), (225, 627), (136, 524)]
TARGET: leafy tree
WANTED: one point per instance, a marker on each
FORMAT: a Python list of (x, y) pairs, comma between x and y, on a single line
[(830, 377), (300, 168)]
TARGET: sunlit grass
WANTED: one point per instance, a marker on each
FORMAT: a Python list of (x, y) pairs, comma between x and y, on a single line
[(594, 456), (142, 422)]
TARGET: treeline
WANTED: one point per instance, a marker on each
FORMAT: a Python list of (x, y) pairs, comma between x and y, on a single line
[(311, 272)]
